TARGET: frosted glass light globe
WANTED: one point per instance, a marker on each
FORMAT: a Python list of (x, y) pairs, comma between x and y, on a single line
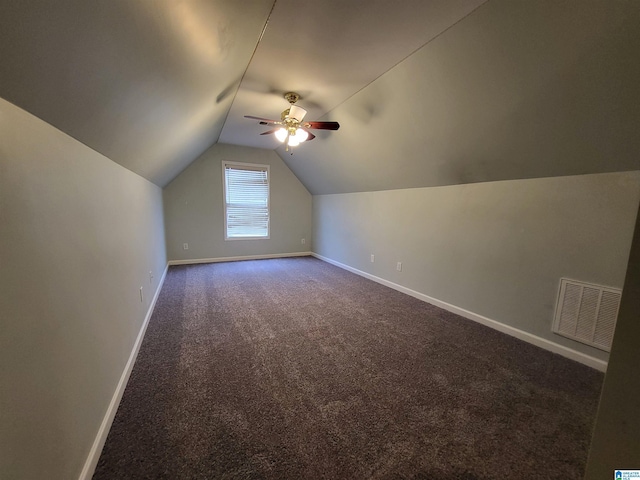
[(281, 134), (293, 142), (301, 135)]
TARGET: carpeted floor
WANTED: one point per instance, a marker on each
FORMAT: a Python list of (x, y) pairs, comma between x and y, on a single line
[(296, 369)]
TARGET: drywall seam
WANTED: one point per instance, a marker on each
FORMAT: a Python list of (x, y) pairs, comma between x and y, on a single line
[(501, 327), (105, 426), (233, 259)]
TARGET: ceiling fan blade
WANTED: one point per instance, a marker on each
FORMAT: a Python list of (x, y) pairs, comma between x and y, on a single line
[(322, 125), (267, 120), (269, 132)]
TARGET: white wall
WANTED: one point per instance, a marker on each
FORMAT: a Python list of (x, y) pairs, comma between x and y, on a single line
[(79, 235), (194, 209), (497, 249)]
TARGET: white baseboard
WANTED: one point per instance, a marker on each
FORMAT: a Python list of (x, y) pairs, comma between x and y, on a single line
[(234, 259), (514, 332), (103, 431)]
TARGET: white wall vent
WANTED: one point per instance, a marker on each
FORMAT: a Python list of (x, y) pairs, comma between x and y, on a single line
[(587, 313)]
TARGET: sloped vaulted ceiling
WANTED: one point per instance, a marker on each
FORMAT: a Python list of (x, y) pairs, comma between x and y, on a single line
[(427, 93), (147, 83), (518, 89)]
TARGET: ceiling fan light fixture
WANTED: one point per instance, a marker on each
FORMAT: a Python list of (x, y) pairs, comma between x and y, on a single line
[(293, 141), (281, 134), (291, 133), (301, 135), (297, 112)]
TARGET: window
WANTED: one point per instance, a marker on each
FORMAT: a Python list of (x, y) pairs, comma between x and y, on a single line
[(246, 200)]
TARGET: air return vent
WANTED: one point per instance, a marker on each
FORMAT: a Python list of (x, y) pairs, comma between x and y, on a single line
[(587, 313)]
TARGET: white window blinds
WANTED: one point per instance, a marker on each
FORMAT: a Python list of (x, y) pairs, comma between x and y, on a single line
[(246, 200)]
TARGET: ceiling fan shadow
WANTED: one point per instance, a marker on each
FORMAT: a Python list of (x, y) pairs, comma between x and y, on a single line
[(229, 90), (260, 86), (365, 112), (365, 108)]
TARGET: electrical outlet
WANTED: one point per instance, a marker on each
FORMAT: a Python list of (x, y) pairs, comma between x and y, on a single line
[(399, 266), (141, 295), (303, 241), (373, 258), (185, 246)]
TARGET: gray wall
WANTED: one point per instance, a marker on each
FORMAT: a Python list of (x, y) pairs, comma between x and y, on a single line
[(616, 437), (194, 210), (78, 237), (497, 249)]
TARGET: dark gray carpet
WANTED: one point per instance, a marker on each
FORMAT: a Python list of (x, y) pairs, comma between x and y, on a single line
[(296, 369)]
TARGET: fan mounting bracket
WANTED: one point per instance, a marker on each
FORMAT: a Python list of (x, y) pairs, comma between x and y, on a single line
[(291, 97)]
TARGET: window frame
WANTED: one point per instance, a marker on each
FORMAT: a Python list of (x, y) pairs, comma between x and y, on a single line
[(245, 166)]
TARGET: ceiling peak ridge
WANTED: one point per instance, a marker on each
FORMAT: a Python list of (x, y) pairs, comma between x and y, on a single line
[(406, 57)]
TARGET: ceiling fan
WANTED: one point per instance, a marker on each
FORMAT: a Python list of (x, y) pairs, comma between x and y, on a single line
[(293, 130)]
